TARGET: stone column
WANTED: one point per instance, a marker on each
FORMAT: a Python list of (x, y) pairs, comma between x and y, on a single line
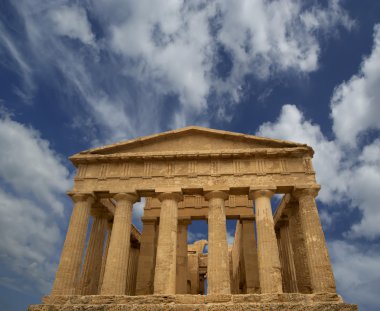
[(69, 266), (250, 256), (166, 260), (88, 284), (218, 269), (318, 261), (105, 253), (115, 273), (181, 274), (268, 256), (147, 258), (132, 270), (288, 267)]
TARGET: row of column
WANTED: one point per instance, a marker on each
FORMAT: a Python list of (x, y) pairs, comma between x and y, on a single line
[(162, 262)]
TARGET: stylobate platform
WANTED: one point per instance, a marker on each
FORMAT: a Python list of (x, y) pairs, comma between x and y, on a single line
[(294, 302)]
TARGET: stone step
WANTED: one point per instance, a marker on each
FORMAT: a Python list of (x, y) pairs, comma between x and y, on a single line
[(198, 307)]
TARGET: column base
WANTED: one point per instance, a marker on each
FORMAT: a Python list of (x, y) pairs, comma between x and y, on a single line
[(273, 302)]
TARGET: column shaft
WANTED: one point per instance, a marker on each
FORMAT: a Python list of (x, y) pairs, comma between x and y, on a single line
[(218, 268), (321, 275), (165, 274), (147, 259), (69, 266), (89, 281), (288, 268), (268, 256), (115, 273), (105, 253), (250, 257), (299, 249), (132, 271), (181, 274)]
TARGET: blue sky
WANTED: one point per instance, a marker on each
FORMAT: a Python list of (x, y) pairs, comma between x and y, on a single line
[(79, 74)]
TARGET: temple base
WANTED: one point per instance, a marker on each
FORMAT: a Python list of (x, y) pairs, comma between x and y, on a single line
[(293, 302)]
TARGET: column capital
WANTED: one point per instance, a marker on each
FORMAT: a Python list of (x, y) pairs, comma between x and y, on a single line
[(301, 192), (81, 197), (128, 196), (170, 196), (254, 194), (216, 194)]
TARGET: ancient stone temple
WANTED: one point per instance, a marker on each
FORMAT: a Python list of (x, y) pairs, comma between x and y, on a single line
[(278, 261)]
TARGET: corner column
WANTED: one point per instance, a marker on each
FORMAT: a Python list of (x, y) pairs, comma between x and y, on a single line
[(318, 260), (268, 256), (166, 261), (69, 265), (218, 268), (181, 282), (147, 258), (250, 256), (88, 284), (115, 272)]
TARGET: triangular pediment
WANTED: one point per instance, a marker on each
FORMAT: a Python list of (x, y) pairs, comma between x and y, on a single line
[(191, 139)]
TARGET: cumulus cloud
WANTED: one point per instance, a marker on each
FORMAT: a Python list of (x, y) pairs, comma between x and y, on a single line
[(356, 269), (328, 158), (355, 104), (343, 179), (32, 180)]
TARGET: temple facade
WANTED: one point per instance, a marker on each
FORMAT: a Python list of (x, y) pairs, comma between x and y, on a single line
[(278, 259)]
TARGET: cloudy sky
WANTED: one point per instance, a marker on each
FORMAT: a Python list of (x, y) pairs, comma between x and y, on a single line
[(79, 74)]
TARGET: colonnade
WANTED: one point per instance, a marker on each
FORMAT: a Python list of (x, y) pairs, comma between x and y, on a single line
[(162, 260)]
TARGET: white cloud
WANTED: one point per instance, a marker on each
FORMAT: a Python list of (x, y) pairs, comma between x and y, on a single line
[(71, 21), (29, 165), (356, 269), (145, 52), (32, 181), (355, 104), (328, 157), (230, 237), (343, 179)]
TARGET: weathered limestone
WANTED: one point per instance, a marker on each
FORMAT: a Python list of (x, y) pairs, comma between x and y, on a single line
[(268, 256), (299, 249), (147, 258), (250, 256), (181, 272), (218, 271), (105, 253), (89, 281), (132, 271), (195, 174), (115, 273), (321, 275), (71, 258), (288, 267), (166, 260)]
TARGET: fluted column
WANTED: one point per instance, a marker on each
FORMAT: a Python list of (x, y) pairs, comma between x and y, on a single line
[(321, 275), (268, 256), (250, 256), (165, 274), (105, 253), (147, 258), (218, 269), (288, 267), (71, 258), (181, 273), (115, 273), (89, 280)]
